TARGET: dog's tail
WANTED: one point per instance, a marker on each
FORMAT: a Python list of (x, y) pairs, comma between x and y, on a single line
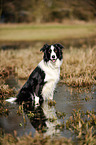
[(11, 100)]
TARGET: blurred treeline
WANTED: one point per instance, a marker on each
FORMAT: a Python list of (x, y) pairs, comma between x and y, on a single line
[(46, 10)]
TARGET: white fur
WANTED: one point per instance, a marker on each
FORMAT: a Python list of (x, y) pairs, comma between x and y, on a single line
[(53, 53), (11, 100), (52, 73)]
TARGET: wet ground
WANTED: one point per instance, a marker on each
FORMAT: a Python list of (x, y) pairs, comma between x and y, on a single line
[(67, 99), (34, 119), (71, 98)]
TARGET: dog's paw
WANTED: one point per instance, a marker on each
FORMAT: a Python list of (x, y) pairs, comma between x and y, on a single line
[(36, 101)]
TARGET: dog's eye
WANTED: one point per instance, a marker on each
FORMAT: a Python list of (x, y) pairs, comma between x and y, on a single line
[(55, 50), (49, 51)]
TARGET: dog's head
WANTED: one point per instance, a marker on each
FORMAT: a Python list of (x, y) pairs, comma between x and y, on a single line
[(52, 52)]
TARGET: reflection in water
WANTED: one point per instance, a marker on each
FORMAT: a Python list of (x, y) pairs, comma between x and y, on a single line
[(41, 118), (36, 116)]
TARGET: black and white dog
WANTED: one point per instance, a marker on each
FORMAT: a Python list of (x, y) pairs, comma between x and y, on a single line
[(42, 81)]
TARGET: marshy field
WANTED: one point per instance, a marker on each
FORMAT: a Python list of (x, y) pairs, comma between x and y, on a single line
[(72, 115)]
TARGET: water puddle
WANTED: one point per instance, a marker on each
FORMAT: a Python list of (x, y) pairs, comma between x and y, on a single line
[(67, 99), (28, 118)]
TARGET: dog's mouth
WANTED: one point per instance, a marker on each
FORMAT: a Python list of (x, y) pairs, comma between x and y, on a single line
[(53, 60)]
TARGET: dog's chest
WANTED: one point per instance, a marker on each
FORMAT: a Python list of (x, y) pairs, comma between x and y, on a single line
[(51, 79), (51, 75)]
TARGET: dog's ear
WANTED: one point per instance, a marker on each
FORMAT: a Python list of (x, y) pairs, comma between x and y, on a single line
[(44, 47), (59, 45)]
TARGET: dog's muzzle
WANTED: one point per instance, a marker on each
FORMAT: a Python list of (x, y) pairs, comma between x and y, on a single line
[(53, 59)]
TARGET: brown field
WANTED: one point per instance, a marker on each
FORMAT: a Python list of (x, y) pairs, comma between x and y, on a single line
[(78, 70)]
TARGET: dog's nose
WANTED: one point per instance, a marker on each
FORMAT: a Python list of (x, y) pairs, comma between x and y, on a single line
[(53, 56)]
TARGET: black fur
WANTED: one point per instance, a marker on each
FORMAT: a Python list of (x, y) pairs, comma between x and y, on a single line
[(33, 85), (58, 49)]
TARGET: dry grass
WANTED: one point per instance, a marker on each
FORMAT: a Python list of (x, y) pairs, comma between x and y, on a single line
[(37, 140), (23, 61), (78, 68)]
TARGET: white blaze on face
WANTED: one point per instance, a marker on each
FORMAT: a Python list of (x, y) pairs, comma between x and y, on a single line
[(53, 56)]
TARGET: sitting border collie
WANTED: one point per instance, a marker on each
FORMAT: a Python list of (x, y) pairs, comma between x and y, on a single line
[(42, 81)]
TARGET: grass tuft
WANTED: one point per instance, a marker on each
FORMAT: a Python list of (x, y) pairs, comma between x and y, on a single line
[(79, 67)]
